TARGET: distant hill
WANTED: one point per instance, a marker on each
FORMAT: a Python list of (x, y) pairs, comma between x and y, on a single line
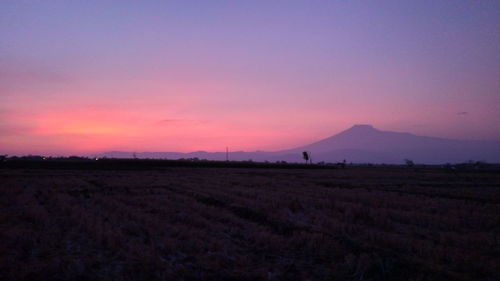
[(359, 144)]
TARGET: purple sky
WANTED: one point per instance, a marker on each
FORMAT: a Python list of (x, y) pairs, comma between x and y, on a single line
[(87, 76)]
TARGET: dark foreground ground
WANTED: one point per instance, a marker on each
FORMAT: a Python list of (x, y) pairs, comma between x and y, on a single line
[(190, 223)]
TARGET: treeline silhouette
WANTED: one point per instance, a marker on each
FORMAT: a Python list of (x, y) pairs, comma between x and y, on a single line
[(77, 162)]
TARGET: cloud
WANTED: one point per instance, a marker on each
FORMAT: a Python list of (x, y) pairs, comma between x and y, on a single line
[(15, 130), (16, 74), (176, 121), (169, 121), (463, 113), (32, 75)]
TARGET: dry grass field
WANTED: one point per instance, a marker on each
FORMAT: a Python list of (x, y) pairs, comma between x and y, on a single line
[(186, 223)]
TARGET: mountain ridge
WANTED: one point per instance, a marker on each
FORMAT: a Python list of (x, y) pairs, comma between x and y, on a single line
[(361, 143)]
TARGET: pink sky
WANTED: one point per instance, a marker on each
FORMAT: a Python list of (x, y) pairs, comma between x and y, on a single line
[(84, 78)]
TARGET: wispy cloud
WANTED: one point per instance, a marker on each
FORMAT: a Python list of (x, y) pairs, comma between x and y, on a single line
[(176, 121), (16, 129), (463, 113), (26, 71)]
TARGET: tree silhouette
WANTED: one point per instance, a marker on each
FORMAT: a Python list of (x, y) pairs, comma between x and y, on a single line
[(409, 163), (306, 155)]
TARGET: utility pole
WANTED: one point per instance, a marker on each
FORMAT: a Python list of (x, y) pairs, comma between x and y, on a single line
[(227, 153)]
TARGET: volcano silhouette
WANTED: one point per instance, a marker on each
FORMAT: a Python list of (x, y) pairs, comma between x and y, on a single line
[(364, 143)]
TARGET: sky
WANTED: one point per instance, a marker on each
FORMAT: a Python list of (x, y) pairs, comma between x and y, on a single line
[(82, 77)]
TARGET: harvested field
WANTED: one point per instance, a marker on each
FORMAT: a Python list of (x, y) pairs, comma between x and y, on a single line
[(186, 223)]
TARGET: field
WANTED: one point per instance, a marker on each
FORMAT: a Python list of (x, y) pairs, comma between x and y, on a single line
[(201, 223)]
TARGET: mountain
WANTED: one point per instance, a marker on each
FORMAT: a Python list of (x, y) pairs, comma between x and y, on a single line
[(220, 156), (363, 143), (359, 144)]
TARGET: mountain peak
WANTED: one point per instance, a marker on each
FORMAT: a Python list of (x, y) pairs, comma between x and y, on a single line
[(362, 127)]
